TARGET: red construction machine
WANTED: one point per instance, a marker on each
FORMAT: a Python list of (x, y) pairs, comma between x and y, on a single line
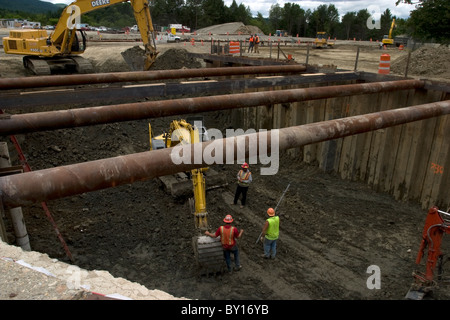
[(437, 224)]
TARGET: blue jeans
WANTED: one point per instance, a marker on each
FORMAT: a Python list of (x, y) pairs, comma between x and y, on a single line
[(270, 246), (227, 255)]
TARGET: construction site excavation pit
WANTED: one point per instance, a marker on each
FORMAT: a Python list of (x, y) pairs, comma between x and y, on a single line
[(360, 171)]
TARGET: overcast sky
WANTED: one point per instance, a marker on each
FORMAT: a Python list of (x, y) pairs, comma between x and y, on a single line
[(343, 6)]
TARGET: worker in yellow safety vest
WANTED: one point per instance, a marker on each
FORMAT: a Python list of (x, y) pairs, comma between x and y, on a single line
[(270, 234), (244, 178)]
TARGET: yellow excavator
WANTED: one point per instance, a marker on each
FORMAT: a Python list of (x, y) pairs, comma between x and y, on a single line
[(45, 53), (208, 251), (387, 39)]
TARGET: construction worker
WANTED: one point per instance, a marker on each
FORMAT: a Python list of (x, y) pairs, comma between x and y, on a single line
[(270, 233), (244, 178), (228, 235), (250, 44), (256, 43)]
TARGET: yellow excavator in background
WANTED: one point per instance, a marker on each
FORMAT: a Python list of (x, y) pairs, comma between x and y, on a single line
[(208, 251), (387, 39), (63, 47)]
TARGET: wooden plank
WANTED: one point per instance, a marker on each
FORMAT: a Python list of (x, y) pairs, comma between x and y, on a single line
[(438, 160), (388, 147), (368, 103), (425, 135), (344, 110), (397, 183)]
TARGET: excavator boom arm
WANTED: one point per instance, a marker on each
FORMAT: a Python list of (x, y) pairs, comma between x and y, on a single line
[(71, 16)]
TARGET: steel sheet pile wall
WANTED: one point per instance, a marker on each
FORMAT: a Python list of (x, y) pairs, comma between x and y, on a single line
[(411, 161)]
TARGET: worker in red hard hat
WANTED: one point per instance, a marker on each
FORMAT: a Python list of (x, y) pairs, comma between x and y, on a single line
[(228, 235), (244, 178), (270, 234)]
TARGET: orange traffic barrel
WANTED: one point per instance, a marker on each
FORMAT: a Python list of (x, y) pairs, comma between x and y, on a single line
[(385, 64), (234, 47), (400, 47)]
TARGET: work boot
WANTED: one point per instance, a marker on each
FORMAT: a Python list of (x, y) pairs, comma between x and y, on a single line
[(237, 268)]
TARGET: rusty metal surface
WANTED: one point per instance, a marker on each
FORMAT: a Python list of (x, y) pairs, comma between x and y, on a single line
[(40, 121), (79, 79), (127, 93), (59, 182)]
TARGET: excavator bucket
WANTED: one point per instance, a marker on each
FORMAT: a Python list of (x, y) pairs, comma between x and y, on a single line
[(138, 59), (417, 292)]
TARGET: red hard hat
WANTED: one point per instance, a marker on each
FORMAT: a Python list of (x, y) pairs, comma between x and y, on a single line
[(271, 212), (245, 165), (228, 218)]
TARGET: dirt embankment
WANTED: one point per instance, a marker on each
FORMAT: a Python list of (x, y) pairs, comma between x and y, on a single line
[(428, 62)]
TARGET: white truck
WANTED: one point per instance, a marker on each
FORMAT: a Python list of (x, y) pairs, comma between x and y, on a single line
[(173, 38)]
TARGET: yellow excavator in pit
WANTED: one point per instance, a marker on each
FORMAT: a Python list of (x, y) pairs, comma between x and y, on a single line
[(208, 251), (61, 49)]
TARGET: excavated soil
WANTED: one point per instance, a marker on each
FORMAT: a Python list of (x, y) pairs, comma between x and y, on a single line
[(332, 231), (426, 61)]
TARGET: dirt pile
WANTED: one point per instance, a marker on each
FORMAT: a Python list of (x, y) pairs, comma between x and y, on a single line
[(230, 28), (425, 61), (175, 59)]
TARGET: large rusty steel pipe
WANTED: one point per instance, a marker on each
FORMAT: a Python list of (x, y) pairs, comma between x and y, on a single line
[(114, 77), (51, 120), (59, 182)]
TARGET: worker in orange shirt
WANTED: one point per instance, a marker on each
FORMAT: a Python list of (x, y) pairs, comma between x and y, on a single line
[(256, 43), (228, 235), (250, 44)]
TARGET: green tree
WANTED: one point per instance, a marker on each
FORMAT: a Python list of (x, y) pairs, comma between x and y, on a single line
[(239, 13), (262, 23), (325, 18), (431, 21), (292, 18), (275, 16), (348, 24)]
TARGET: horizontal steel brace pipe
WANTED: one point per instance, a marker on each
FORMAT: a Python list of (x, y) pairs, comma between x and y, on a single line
[(80, 79), (51, 120), (59, 182)]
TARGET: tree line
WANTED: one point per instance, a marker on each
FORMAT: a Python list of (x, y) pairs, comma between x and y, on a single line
[(429, 21)]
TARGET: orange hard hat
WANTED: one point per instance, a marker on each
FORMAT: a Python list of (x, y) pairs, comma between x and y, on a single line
[(271, 212), (228, 218), (245, 165)]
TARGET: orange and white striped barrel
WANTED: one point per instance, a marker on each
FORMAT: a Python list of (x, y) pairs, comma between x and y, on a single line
[(234, 47), (385, 64)]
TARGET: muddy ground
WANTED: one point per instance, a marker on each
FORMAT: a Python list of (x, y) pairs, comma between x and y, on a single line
[(332, 230)]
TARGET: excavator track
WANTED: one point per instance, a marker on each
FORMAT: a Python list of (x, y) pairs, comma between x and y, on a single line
[(36, 65), (82, 65), (46, 66)]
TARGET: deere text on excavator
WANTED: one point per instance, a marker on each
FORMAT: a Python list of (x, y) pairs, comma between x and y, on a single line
[(61, 49)]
